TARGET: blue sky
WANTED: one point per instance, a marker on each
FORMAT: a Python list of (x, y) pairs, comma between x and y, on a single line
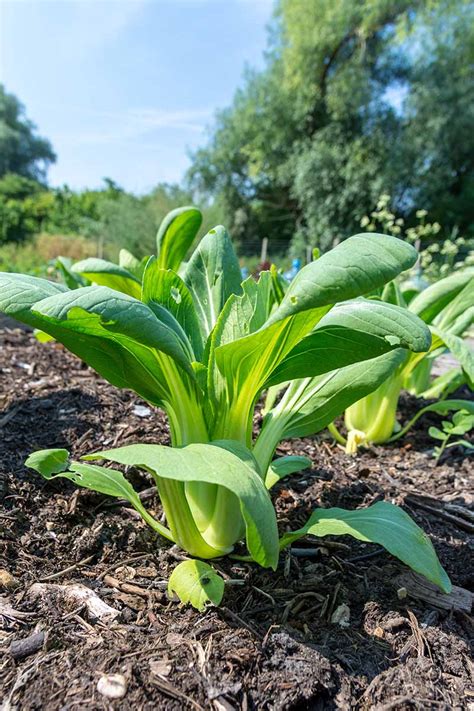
[(124, 88)]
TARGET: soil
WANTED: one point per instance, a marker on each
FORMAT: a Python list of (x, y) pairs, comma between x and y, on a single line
[(275, 643)]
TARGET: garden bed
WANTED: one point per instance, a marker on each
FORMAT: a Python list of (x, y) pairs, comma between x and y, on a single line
[(276, 642)]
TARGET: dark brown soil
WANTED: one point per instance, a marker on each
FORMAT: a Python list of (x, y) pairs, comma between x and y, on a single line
[(272, 645)]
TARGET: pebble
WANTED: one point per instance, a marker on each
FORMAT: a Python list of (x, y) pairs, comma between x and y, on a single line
[(7, 580), (141, 411), (113, 686), (341, 616)]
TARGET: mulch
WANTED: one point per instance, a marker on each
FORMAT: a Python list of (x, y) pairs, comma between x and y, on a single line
[(331, 629)]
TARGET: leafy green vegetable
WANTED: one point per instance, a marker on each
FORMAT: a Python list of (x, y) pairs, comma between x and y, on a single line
[(197, 583), (447, 307), (204, 346)]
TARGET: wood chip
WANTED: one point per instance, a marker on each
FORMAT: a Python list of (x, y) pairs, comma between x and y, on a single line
[(417, 586), (73, 596), (21, 648)]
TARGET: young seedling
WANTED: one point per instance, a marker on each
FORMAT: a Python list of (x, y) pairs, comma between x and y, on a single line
[(462, 423), (204, 347)]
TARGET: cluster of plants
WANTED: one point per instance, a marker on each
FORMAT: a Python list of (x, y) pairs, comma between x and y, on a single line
[(194, 339)]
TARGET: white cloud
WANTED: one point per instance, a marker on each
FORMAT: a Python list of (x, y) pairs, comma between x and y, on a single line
[(99, 127)]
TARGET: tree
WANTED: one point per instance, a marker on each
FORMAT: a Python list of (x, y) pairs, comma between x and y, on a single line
[(24, 206), (22, 151), (338, 116)]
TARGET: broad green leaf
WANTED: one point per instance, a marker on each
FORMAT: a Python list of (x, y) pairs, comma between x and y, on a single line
[(461, 351), (128, 261), (121, 337), (430, 302), (48, 461), (382, 523), (284, 466), (104, 273), (18, 293), (53, 463), (309, 405), (458, 315), (101, 311), (175, 236), (167, 289), (351, 332), (356, 267), (212, 464), (212, 275), (444, 384), (196, 583), (440, 408), (71, 279)]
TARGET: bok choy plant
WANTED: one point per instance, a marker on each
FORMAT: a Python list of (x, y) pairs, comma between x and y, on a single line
[(447, 307), (204, 346)]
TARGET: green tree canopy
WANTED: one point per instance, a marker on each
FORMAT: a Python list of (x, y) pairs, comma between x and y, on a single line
[(22, 151), (351, 103)]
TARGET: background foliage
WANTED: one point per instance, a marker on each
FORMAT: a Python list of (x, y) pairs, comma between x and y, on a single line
[(356, 100)]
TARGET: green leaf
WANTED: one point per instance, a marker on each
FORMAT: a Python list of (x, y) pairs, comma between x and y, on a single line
[(284, 466), (462, 423), (101, 311), (167, 289), (309, 406), (461, 351), (356, 267), (212, 275), (104, 273), (71, 279), (128, 261), (430, 302), (382, 523), (392, 294), (458, 315), (196, 583), (212, 464), (352, 332), (53, 463), (444, 384), (117, 335), (245, 313), (18, 293), (437, 434), (48, 461), (175, 236)]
